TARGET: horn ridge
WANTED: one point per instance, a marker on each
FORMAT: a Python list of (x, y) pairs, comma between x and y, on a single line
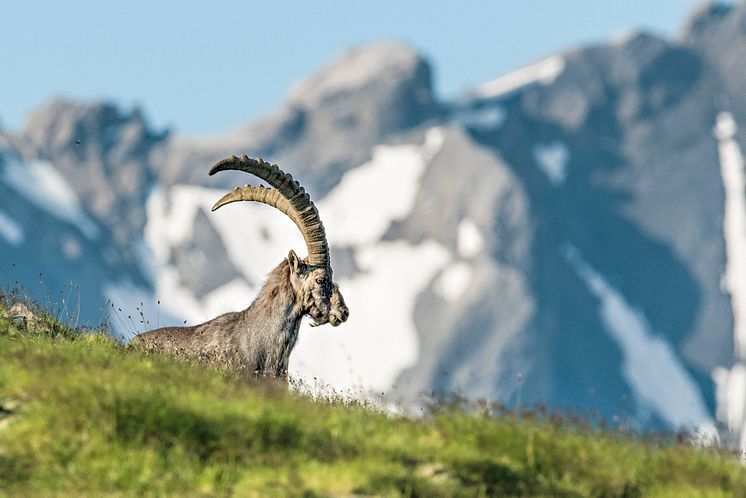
[(305, 216), (264, 195)]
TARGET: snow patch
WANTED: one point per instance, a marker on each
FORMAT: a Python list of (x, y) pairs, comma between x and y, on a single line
[(650, 366), (45, 187), (369, 198), (10, 230), (543, 72), (552, 159), (730, 386), (470, 240), (482, 118), (379, 339), (453, 282), (170, 218), (734, 224)]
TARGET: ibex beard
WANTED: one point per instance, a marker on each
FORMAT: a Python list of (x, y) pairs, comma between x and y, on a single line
[(259, 339)]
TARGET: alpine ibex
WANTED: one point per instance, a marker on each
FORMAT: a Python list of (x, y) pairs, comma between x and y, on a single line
[(259, 339)]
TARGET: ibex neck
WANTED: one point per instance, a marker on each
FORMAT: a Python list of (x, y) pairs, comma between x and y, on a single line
[(277, 294), (272, 323)]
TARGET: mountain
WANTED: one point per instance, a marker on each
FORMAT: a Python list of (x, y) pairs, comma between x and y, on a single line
[(572, 233)]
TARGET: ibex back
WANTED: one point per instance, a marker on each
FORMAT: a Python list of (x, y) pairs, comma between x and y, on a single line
[(259, 339)]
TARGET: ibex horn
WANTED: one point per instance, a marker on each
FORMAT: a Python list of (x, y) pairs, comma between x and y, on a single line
[(297, 204)]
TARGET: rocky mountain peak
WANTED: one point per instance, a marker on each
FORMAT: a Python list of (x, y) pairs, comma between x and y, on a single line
[(64, 123), (378, 88), (387, 63), (330, 122)]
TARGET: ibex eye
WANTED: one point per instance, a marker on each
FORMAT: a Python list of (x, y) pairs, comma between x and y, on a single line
[(319, 281)]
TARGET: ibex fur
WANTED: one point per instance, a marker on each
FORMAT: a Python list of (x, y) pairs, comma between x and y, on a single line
[(259, 339)]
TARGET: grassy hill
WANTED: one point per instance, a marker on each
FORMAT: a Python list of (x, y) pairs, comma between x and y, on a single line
[(81, 415)]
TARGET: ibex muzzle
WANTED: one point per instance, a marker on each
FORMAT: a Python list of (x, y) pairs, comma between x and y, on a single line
[(260, 339)]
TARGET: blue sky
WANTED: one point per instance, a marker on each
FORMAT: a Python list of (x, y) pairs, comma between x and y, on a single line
[(206, 67)]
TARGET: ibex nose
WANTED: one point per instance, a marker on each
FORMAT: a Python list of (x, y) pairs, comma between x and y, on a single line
[(338, 315)]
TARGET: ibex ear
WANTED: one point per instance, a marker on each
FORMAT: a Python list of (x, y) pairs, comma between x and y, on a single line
[(296, 264)]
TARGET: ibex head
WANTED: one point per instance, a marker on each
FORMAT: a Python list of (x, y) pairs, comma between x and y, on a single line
[(312, 286), (311, 278)]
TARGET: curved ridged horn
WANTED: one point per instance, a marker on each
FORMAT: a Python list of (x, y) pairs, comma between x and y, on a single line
[(269, 196), (306, 216)]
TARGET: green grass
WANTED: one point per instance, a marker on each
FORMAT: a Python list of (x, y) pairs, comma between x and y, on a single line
[(84, 416)]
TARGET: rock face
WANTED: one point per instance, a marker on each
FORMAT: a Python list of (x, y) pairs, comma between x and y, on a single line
[(559, 235)]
